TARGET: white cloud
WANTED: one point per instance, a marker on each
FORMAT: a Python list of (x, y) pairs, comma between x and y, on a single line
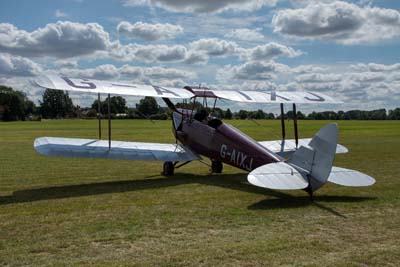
[(149, 32), (102, 72), (128, 72), (62, 39), (318, 78), (196, 57), (302, 69), (339, 21), (66, 41), (253, 70), (149, 53), (59, 14), (155, 73), (374, 67), (214, 46), (202, 6), (67, 63), (18, 66), (268, 52), (247, 35)]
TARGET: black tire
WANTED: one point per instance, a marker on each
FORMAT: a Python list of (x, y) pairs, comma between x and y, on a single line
[(216, 166), (168, 168)]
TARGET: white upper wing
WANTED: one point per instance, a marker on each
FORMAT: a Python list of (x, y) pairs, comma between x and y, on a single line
[(269, 97), (108, 87), (125, 88)]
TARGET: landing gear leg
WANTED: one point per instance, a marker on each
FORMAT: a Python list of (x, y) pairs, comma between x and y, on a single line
[(216, 166), (310, 192), (168, 168)]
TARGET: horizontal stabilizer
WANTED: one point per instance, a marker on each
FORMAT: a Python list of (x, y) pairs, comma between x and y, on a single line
[(347, 177), (279, 176), (92, 148), (286, 147)]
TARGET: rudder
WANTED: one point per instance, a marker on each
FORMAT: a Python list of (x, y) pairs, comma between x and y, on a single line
[(316, 159)]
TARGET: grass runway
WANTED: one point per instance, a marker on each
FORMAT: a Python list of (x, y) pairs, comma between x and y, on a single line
[(87, 212)]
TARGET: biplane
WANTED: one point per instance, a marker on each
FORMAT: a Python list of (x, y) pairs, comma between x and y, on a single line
[(285, 164)]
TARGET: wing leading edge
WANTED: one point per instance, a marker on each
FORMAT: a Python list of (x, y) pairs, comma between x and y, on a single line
[(92, 148), (108, 87), (268, 97), (126, 88)]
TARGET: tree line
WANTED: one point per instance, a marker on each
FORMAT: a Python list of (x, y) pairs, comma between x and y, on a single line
[(56, 104)]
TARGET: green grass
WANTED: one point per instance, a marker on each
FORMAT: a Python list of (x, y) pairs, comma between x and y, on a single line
[(84, 212)]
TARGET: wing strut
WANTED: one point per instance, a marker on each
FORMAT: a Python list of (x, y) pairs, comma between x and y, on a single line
[(99, 113), (109, 121), (296, 133), (283, 122)]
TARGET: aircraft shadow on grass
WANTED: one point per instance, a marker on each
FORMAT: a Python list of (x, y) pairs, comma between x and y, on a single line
[(230, 181)]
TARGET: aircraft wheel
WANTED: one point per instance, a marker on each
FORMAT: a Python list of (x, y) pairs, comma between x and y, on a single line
[(168, 168), (216, 166)]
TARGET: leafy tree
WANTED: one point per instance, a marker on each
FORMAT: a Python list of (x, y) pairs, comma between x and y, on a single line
[(56, 104), (15, 104), (228, 114), (377, 114), (242, 114), (148, 106), (117, 105), (258, 115), (270, 116), (394, 114)]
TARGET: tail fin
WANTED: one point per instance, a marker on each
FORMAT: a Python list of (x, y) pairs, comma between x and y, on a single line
[(309, 167), (317, 158)]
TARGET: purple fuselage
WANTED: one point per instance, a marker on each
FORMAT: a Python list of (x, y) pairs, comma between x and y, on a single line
[(223, 142)]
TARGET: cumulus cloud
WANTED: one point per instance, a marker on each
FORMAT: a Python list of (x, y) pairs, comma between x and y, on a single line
[(155, 73), (149, 32), (18, 66), (253, 70), (196, 57), (302, 69), (205, 6), (62, 39), (374, 67), (339, 21), (247, 35), (102, 72), (66, 41), (353, 84), (148, 74), (268, 52), (318, 77), (66, 63), (214, 46), (149, 53)]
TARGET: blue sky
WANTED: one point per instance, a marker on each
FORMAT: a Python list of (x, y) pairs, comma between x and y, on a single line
[(347, 49)]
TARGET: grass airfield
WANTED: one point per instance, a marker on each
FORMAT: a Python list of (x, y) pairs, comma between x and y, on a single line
[(87, 212)]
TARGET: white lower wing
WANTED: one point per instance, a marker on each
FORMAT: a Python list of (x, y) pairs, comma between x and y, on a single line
[(92, 148), (348, 177), (286, 147), (279, 176)]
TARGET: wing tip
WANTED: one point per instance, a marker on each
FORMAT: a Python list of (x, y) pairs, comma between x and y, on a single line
[(43, 81)]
